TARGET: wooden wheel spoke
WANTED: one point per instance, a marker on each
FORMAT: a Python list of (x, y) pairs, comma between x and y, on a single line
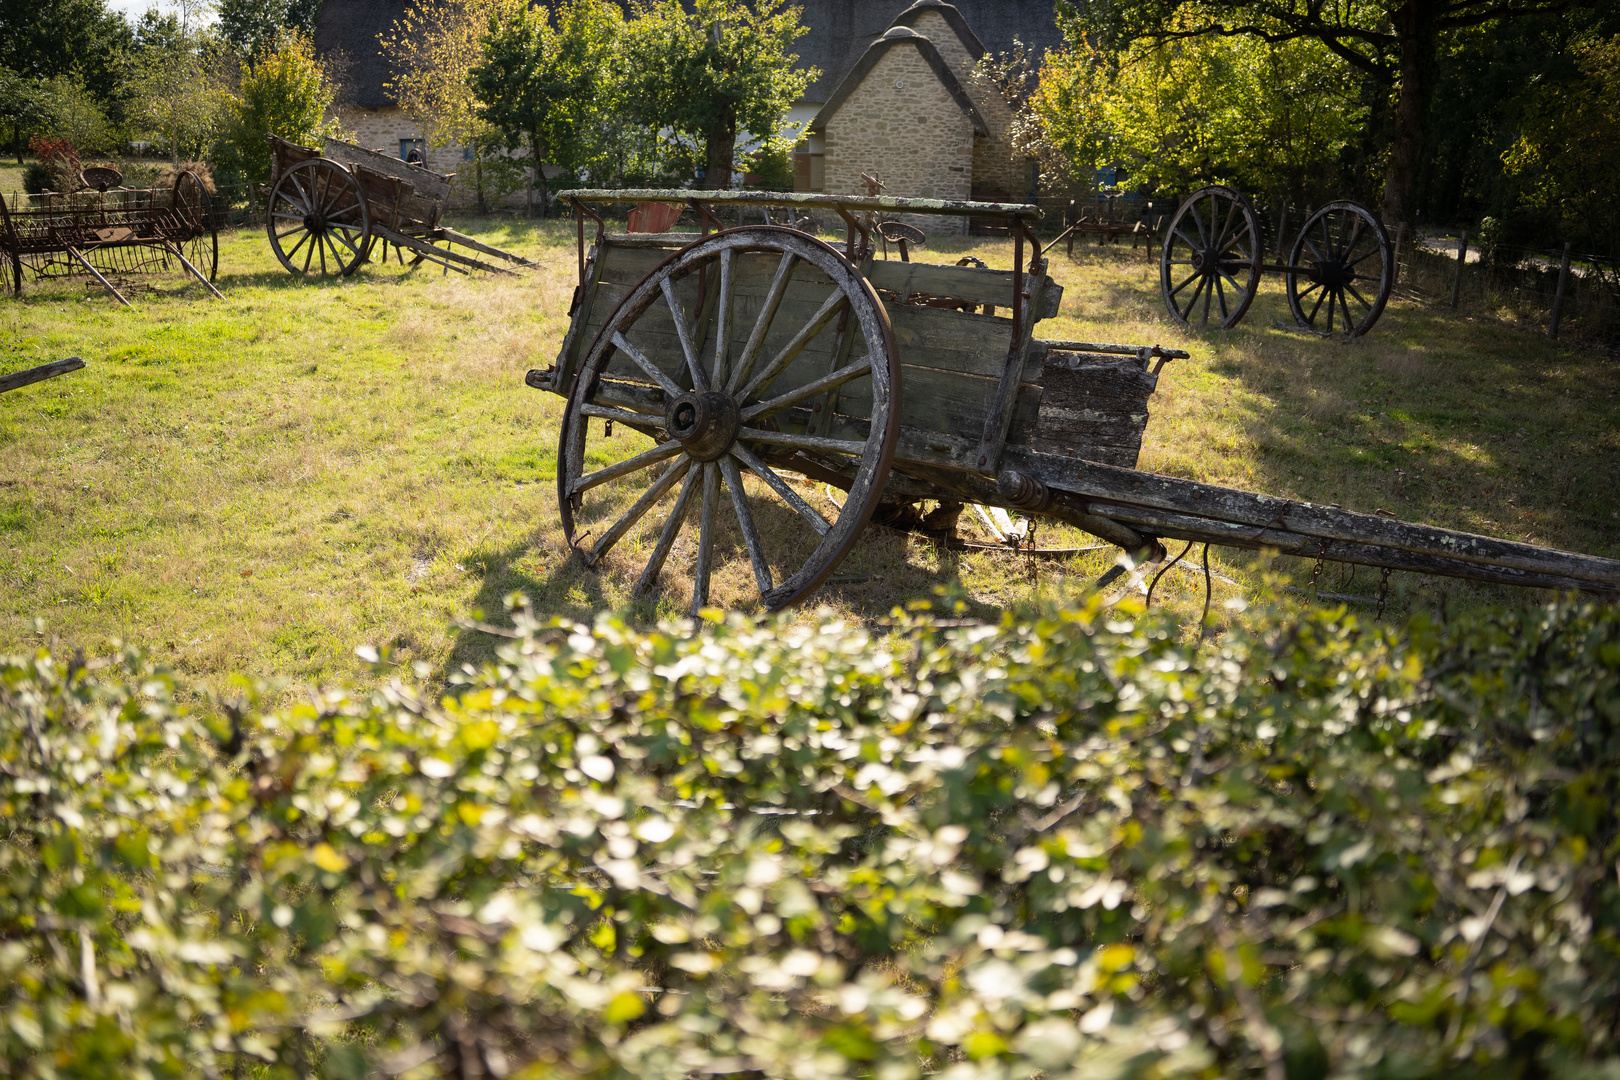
[(1362, 299), (1226, 226), (1196, 274), (1208, 293), (623, 468), (802, 442), (651, 369), (1344, 309), (792, 349), (301, 240), (762, 324), (309, 252), (706, 538), (1192, 302), (666, 537), (783, 491), (1355, 234), (745, 522), (1203, 234), (809, 390), (1311, 318), (1314, 249), (700, 382), (1307, 290), (620, 416), (639, 510), (1184, 238), (299, 218), (1365, 255), (722, 324), (337, 237), (304, 204), (1239, 289), (1220, 295)]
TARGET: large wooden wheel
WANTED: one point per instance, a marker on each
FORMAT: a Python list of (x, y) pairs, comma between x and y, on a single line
[(1211, 258), (751, 352), (194, 214), (1344, 269), (318, 219)]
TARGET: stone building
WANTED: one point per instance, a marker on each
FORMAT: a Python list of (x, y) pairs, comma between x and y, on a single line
[(895, 98), (911, 113)]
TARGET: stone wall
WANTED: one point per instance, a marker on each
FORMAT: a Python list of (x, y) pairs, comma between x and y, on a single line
[(901, 123), (383, 128), (994, 168)]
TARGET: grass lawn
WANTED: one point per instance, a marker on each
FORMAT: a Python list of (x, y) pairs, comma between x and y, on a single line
[(259, 484)]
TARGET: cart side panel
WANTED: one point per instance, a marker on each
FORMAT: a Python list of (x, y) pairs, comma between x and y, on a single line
[(907, 280), (428, 184), (1094, 407)]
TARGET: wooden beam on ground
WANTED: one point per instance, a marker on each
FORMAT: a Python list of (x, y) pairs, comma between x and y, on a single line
[(39, 374), (442, 256), (477, 245)]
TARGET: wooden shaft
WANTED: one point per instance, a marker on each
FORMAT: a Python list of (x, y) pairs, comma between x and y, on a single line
[(73, 251), (1558, 296), (1456, 281), (1118, 488), (39, 374), (175, 251)]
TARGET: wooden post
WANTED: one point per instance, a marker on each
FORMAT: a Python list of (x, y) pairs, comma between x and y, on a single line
[(1070, 222), (1456, 282), (1558, 296), (1400, 235), (1282, 229)]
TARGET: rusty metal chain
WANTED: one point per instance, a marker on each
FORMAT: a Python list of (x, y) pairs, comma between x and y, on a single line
[(1383, 595)]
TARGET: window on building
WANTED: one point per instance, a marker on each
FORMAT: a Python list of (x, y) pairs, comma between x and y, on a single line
[(407, 145)]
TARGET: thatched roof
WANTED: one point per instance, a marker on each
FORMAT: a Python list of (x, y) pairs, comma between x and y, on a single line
[(840, 33), (349, 28)]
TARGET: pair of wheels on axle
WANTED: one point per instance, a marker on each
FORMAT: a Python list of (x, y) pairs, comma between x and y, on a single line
[(746, 364), (1339, 272)]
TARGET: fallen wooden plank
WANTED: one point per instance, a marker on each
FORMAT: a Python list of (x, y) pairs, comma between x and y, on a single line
[(39, 374)]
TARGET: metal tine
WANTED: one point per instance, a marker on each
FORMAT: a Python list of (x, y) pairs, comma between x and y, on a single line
[(705, 558), (790, 352), (745, 521), (722, 318), (676, 469), (700, 381), (762, 325), (666, 538), (810, 514)]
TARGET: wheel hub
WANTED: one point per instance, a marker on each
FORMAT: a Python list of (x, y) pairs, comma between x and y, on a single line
[(314, 224), (1334, 273), (705, 424)]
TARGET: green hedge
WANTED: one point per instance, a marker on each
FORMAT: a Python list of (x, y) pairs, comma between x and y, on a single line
[(1068, 844)]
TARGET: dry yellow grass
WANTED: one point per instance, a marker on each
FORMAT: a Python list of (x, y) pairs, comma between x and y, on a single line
[(259, 485)]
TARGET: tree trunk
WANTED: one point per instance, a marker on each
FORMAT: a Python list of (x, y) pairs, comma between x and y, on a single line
[(721, 147), (1415, 26)]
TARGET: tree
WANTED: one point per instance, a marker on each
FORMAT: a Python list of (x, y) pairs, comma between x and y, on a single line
[(73, 113), (1396, 42), (1569, 149), (541, 78), (251, 26), (24, 105), (178, 96), (708, 72), (45, 38), (432, 50), (1272, 118), (284, 92)]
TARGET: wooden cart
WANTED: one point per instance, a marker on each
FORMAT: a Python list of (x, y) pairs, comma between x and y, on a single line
[(327, 211), (104, 229), (708, 376)]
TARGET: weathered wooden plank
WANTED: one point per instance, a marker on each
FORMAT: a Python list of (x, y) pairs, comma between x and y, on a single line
[(33, 375), (1127, 487), (1186, 527), (956, 282), (951, 340), (1094, 407), (428, 184), (945, 401)]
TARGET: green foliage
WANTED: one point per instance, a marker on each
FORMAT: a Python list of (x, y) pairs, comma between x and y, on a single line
[(178, 95), (774, 168), (1268, 118), (251, 27), (282, 92), (542, 74), (46, 38), (24, 106), (71, 112), (1067, 843), (1568, 150), (706, 73)]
